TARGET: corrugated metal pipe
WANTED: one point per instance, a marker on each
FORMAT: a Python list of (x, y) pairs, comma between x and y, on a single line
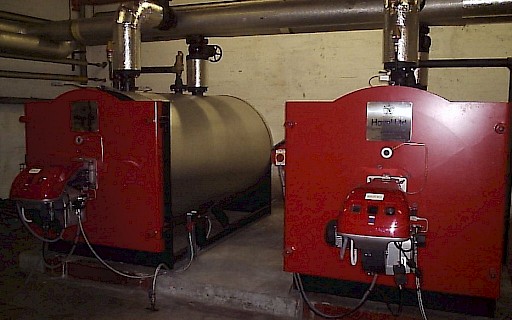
[(256, 17)]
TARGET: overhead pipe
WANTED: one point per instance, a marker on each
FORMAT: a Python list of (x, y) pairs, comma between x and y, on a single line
[(256, 17), (14, 40), (12, 26), (15, 43)]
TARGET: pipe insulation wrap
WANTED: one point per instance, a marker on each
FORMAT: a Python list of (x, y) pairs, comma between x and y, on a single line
[(401, 30), (127, 32)]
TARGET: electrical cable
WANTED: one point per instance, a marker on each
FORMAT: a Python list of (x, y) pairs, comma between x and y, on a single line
[(400, 303), (298, 283), (417, 274), (282, 176), (425, 174), (370, 80), (399, 246), (145, 276), (209, 226), (21, 214), (192, 254), (69, 254), (152, 296)]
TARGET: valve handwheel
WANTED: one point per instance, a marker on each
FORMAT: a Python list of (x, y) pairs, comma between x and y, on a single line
[(217, 54)]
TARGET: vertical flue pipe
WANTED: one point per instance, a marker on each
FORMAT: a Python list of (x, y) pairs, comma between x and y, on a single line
[(401, 30), (127, 40), (401, 39)]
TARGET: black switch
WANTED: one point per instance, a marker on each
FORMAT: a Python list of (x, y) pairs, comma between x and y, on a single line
[(356, 208), (390, 211), (373, 209)]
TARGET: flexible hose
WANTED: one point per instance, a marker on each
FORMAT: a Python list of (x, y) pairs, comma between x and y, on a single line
[(298, 282), (192, 254), (420, 299), (153, 287), (21, 213), (69, 254), (145, 276)]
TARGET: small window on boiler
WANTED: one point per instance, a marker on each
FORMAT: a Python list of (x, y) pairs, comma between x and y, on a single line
[(84, 116)]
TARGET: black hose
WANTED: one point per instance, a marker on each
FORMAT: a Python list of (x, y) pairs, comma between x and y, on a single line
[(298, 283)]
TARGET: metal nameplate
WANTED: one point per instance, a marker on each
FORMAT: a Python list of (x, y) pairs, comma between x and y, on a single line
[(388, 121)]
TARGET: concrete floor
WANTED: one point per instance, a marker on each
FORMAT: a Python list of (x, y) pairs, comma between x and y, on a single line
[(239, 277)]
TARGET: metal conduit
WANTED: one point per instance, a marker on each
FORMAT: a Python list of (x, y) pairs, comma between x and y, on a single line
[(73, 62), (258, 17), (45, 76)]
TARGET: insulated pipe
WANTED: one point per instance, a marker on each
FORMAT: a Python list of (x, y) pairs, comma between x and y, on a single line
[(256, 17), (127, 33), (14, 40), (401, 30), (15, 43), (14, 27)]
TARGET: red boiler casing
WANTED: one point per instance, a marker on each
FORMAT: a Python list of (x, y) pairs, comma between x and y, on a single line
[(129, 164), (456, 166)]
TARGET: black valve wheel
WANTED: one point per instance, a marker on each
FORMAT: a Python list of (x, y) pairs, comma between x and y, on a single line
[(217, 54)]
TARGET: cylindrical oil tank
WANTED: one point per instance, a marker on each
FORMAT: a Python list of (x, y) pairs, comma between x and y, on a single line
[(220, 145)]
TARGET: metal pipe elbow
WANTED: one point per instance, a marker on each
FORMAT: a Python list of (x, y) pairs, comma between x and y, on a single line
[(127, 32)]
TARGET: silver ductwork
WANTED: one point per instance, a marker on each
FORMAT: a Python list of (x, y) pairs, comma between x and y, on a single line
[(255, 17)]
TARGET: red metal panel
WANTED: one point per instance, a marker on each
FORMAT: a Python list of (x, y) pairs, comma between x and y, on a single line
[(127, 211), (457, 175)]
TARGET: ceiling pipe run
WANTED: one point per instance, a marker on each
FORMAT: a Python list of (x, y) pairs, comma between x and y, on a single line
[(256, 17), (16, 43), (14, 39)]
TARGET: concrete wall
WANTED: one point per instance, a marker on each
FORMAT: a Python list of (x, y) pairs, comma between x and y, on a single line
[(266, 71)]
